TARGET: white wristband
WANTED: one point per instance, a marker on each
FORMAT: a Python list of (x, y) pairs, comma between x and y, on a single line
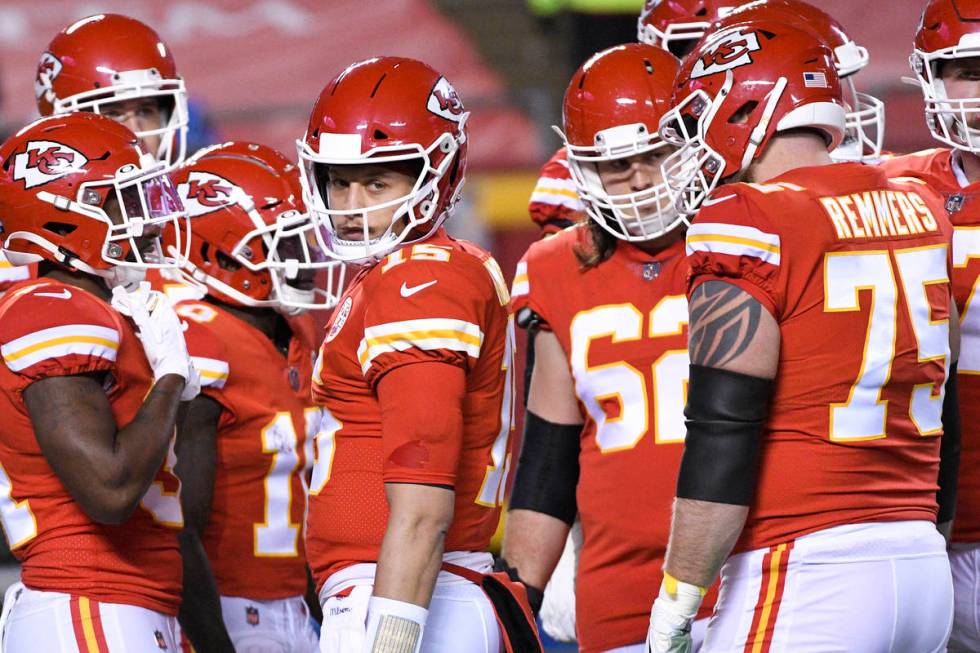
[(394, 626)]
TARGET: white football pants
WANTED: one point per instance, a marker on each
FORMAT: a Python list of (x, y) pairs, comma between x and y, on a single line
[(863, 588), (35, 622), (277, 626), (461, 618), (964, 559)]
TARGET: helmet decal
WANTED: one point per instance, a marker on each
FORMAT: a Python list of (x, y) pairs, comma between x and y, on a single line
[(732, 50), (444, 101), (48, 69), (45, 161), (204, 192)]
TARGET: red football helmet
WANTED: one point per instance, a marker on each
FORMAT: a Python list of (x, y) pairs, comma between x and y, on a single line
[(77, 190), (240, 210), (738, 88), (949, 30), (109, 58), (676, 25), (613, 107), (865, 121), (262, 153), (381, 111)]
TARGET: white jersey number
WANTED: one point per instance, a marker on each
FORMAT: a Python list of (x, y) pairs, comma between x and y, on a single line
[(863, 415), (19, 524), (278, 535), (623, 383)]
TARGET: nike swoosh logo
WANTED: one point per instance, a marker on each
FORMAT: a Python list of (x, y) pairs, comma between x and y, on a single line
[(64, 294), (711, 201), (408, 292)]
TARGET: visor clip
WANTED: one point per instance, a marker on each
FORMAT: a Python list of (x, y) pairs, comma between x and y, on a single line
[(114, 250)]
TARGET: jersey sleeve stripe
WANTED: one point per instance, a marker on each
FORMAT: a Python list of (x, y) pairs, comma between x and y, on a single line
[(425, 334), (734, 240), (522, 284), (81, 339), (214, 372)]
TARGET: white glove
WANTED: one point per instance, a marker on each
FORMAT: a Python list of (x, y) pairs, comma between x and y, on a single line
[(344, 626), (161, 333), (671, 616), (558, 608)]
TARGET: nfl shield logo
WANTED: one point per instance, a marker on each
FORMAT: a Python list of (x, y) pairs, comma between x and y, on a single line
[(252, 616), (294, 379), (161, 642)]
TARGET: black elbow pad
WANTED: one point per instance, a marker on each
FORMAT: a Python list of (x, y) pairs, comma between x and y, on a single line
[(725, 412), (547, 474), (949, 451)]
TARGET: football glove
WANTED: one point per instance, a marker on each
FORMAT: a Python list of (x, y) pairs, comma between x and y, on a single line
[(161, 333), (671, 616)]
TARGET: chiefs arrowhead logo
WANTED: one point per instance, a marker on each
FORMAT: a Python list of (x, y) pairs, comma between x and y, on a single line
[(728, 50), (45, 161), (48, 69), (204, 192), (444, 102)]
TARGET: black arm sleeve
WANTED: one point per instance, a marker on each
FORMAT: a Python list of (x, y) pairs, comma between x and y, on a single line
[(547, 473), (949, 451), (725, 414), (531, 322)]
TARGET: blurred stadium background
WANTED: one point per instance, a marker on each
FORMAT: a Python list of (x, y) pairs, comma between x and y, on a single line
[(254, 67)]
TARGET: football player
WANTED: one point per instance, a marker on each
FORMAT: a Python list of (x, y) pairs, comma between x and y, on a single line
[(864, 123), (820, 314), (947, 66), (604, 419), (90, 391), (414, 375), (118, 67), (241, 444), (675, 25)]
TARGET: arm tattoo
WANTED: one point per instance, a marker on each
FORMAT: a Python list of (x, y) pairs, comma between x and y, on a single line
[(723, 321)]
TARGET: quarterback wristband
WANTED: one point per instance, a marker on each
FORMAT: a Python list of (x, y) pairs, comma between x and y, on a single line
[(683, 598), (394, 626)]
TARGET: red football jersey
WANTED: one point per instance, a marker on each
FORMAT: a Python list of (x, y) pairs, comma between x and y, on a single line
[(51, 329), (439, 301), (963, 208), (554, 202), (254, 536), (623, 326), (855, 269)]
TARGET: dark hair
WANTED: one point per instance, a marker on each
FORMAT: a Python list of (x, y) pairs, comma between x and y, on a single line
[(601, 246)]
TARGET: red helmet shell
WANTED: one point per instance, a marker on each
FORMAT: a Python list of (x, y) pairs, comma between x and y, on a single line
[(92, 52), (675, 25), (228, 196), (265, 155), (945, 22), (757, 55), (624, 85), (56, 155)]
